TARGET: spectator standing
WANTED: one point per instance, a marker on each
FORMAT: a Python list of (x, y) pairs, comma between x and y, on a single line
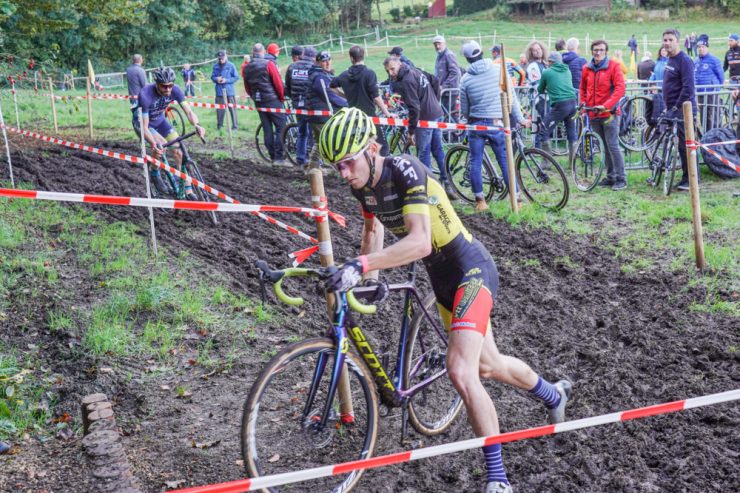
[(659, 68), (245, 62), (296, 87), (557, 83), (678, 87), (516, 72), (188, 78), (359, 86), (320, 98), (421, 100), (687, 45), (602, 86), (645, 67), (692, 40), (536, 55), (447, 70), (397, 51), (135, 78), (707, 72), (574, 61), (264, 85), (273, 52), (560, 46), (224, 76), (632, 43), (480, 103), (732, 58)]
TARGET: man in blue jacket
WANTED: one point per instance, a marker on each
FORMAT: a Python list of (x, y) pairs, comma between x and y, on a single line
[(574, 61), (224, 75), (707, 72)]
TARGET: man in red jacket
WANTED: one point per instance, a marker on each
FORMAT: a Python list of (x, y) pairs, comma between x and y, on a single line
[(602, 86)]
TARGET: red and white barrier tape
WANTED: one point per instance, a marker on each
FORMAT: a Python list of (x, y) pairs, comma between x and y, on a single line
[(694, 145), (423, 453), (723, 159)]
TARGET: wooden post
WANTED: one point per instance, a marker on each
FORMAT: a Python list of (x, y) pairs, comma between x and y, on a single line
[(146, 179), (365, 40), (15, 103), (688, 119), (387, 41), (549, 40), (506, 83), (7, 147), (326, 257), (495, 31), (416, 38), (480, 41), (53, 105), (89, 108), (331, 41), (341, 44)]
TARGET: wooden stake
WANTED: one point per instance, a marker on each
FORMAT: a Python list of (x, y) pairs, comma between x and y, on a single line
[(688, 119), (146, 179), (7, 147), (53, 105), (326, 256), (506, 90), (89, 108)]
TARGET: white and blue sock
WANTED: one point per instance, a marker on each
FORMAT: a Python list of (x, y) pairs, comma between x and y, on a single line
[(547, 392), (494, 464)]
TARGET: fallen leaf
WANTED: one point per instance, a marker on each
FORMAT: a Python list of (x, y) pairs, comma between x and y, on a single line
[(274, 458), (64, 418), (205, 445), (192, 362), (239, 462), (171, 485)]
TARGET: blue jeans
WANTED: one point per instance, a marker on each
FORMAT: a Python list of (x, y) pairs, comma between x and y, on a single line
[(477, 144), (428, 142), (562, 111), (272, 128), (304, 137)]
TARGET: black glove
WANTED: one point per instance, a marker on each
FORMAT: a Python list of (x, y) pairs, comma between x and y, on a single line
[(346, 277), (381, 293)]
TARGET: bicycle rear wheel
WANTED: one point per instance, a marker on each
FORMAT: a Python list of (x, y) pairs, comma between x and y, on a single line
[(457, 163), (259, 143), (279, 430), (541, 179), (587, 164), (289, 137), (633, 132), (202, 195), (433, 409), (671, 161)]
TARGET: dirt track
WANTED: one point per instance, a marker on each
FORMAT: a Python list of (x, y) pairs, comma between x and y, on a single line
[(624, 340)]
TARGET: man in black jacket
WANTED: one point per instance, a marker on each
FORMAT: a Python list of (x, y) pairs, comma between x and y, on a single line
[(417, 93), (360, 86), (296, 86)]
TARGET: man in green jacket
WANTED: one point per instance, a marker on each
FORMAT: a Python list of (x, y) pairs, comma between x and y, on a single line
[(557, 83)]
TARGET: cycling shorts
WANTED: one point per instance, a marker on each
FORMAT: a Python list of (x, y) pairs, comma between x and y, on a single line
[(465, 286), (161, 127)]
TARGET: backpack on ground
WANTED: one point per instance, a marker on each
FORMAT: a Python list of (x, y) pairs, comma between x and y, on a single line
[(727, 151)]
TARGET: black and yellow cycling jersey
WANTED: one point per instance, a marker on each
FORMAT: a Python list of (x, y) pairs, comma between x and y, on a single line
[(405, 187)]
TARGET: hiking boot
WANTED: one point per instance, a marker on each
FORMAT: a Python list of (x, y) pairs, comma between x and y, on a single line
[(620, 185), (451, 194), (606, 182), (557, 414), (159, 184), (497, 487), (480, 205)]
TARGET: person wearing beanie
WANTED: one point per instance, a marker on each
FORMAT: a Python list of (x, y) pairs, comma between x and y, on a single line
[(732, 58), (707, 72), (480, 103), (273, 52), (557, 83), (397, 52)]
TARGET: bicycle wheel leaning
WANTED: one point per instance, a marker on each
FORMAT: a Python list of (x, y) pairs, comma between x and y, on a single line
[(541, 179), (587, 164), (279, 425), (433, 409), (203, 196), (289, 138), (457, 163), (259, 143), (634, 124)]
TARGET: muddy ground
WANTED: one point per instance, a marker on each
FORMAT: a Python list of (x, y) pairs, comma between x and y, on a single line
[(624, 340)]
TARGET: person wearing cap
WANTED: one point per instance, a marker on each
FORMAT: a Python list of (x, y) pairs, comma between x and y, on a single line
[(732, 58), (320, 97), (557, 83), (422, 102), (264, 85), (296, 86), (480, 104), (645, 67), (447, 70), (273, 52), (224, 75), (707, 72), (516, 72), (359, 85), (602, 86), (574, 61), (397, 52), (188, 77)]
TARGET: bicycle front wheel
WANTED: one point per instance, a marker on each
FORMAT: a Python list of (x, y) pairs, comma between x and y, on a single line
[(259, 143), (202, 195), (541, 179), (671, 162), (280, 424), (433, 409), (587, 164), (457, 163), (289, 137)]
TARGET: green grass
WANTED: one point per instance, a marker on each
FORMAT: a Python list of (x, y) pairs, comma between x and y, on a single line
[(24, 403)]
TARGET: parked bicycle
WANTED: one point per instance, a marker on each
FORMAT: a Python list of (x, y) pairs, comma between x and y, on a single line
[(292, 417), (539, 176), (176, 186), (588, 162), (664, 157)]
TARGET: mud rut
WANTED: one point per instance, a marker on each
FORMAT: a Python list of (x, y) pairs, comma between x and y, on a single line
[(624, 340)]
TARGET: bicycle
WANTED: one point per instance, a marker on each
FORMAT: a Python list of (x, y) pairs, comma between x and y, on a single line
[(635, 122), (176, 186), (665, 159), (587, 162), (292, 416), (538, 174)]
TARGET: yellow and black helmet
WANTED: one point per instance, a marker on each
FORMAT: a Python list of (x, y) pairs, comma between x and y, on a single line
[(345, 135)]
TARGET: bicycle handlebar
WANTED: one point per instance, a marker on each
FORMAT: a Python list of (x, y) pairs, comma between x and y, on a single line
[(276, 278), (183, 137), (583, 107)]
